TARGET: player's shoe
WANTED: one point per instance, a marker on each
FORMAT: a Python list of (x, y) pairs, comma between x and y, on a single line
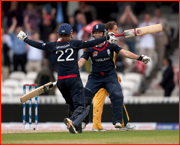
[(103, 129), (70, 126), (118, 125), (83, 125), (94, 129), (128, 127)]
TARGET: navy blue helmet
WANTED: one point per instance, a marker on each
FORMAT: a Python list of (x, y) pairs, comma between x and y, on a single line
[(99, 27), (64, 29)]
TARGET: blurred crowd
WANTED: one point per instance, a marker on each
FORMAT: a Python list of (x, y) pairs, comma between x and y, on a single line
[(40, 20)]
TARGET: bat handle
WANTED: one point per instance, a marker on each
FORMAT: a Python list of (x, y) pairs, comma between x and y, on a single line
[(118, 35)]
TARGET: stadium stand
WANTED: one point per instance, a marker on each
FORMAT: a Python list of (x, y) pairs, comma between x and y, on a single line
[(31, 75), (18, 75), (11, 83)]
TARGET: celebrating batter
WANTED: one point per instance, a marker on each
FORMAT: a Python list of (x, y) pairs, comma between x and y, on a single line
[(103, 74)]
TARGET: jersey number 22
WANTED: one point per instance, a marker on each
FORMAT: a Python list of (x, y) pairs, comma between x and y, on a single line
[(62, 53)]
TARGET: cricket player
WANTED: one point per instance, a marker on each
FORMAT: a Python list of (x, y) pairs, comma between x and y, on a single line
[(103, 74), (69, 82), (100, 96)]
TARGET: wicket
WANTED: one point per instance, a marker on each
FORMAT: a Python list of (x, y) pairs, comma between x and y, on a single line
[(30, 107)]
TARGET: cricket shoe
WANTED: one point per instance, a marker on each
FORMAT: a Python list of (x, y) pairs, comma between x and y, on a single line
[(103, 129), (118, 125), (70, 126), (127, 127)]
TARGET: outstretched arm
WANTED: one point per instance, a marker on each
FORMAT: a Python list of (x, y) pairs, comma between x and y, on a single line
[(81, 62), (85, 44), (128, 54), (44, 46), (131, 55)]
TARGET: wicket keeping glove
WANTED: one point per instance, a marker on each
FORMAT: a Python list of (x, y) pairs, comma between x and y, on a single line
[(144, 58), (22, 36), (111, 37)]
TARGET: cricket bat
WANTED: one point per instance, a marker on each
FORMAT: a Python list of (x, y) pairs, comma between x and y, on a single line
[(141, 31), (37, 91)]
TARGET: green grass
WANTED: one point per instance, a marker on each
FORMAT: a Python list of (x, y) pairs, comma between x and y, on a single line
[(89, 137)]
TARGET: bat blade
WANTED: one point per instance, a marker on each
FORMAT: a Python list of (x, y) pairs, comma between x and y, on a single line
[(37, 91), (141, 31)]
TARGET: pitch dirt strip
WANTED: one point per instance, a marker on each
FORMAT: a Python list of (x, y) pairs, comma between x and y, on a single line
[(30, 131)]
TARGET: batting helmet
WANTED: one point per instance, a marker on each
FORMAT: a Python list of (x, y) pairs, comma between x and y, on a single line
[(64, 29), (99, 27)]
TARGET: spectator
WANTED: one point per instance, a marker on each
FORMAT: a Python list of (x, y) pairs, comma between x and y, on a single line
[(175, 6), (51, 56), (14, 11), (6, 44), (87, 28), (128, 20), (147, 45), (45, 76), (18, 47), (57, 10), (61, 12), (34, 56), (32, 16), (48, 9), (113, 10), (4, 20), (147, 42), (85, 9), (47, 26), (71, 21), (80, 21), (167, 82), (161, 38)]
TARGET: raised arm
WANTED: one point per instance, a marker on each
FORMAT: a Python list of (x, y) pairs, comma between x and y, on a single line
[(123, 17), (133, 17), (13, 26)]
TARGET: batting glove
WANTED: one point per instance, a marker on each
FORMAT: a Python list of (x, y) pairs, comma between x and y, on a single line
[(22, 36), (144, 58), (112, 38)]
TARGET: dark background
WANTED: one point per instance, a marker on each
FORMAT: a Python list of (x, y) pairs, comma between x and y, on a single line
[(57, 113)]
